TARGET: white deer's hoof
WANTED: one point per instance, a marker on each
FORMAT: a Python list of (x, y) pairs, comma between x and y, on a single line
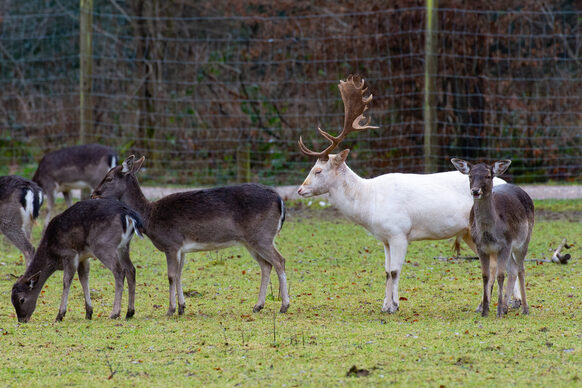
[(515, 303), (390, 309)]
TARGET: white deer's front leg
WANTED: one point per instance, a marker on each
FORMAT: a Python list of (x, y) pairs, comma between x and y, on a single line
[(395, 252)]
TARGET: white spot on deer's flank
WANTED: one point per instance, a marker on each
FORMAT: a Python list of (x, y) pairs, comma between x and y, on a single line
[(27, 210)]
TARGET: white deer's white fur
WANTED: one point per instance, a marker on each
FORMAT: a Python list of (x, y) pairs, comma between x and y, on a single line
[(396, 208)]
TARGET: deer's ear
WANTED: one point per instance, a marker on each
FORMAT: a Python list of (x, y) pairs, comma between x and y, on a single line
[(137, 165), (341, 157), (127, 164), (462, 165), (31, 281), (500, 167)]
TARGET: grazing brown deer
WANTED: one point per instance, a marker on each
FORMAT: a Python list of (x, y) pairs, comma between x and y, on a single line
[(90, 228), (20, 202), (395, 208), (502, 220), (202, 220), (77, 167)]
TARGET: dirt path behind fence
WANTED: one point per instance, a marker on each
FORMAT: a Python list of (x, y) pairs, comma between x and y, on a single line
[(290, 192)]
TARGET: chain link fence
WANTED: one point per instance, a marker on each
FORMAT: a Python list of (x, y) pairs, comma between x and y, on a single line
[(217, 92)]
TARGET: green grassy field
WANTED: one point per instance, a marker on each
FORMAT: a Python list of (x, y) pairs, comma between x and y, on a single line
[(336, 280)]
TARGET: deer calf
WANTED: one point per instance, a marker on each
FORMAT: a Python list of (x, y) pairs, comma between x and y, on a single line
[(91, 228), (203, 220), (502, 219), (20, 202), (77, 167)]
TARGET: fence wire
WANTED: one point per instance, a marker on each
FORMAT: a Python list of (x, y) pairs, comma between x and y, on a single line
[(197, 87)]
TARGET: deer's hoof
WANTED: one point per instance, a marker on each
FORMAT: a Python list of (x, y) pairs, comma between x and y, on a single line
[(130, 314), (259, 307), (525, 310), (479, 308), (89, 314), (515, 303), (60, 316), (284, 309), (391, 309), (181, 309), (171, 312), (114, 315)]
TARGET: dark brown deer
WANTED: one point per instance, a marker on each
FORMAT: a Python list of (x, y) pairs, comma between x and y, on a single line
[(502, 220), (202, 220), (20, 202), (90, 228), (77, 167)]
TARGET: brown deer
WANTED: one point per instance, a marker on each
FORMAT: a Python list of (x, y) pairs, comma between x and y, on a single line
[(77, 167), (395, 208), (90, 228), (202, 220), (20, 202), (502, 220)]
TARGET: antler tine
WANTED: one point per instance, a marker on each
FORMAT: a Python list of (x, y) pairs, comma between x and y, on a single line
[(355, 105), (323, 154)]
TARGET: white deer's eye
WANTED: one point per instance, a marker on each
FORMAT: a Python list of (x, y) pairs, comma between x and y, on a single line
[(318, 171)]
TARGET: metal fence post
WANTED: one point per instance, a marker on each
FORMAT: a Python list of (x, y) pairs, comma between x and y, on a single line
[(86, 57), (430, 86)]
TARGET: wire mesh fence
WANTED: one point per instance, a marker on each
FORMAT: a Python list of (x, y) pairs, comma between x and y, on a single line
[(206, 90)]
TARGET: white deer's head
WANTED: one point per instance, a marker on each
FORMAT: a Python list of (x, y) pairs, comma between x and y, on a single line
[(328, 166)]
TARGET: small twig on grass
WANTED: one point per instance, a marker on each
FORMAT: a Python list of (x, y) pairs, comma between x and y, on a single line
[(224, 334), (111, 371), (557, 258), (274, 329), (443, 258), (561, 259)]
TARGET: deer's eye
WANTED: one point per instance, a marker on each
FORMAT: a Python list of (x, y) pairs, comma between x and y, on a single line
[(108, 179), (318, 171), (21, 300)]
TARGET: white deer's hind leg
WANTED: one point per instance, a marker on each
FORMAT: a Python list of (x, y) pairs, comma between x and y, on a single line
[(395, 252), (514, 302)]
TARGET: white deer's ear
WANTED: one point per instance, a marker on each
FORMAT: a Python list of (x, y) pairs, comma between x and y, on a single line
[(462, 165), (500, 167), (341, 157), (127, 164)]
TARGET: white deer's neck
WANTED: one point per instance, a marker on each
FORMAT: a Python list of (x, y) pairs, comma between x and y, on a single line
[(350, 194)]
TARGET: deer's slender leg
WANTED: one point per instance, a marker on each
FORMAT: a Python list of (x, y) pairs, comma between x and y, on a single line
[(83, 271)]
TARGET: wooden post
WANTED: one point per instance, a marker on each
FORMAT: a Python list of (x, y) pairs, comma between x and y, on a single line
[(243, 163), (86, 57), (430, 69)]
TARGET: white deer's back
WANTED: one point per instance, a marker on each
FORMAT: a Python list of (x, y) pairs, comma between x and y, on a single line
[(419, 206)]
